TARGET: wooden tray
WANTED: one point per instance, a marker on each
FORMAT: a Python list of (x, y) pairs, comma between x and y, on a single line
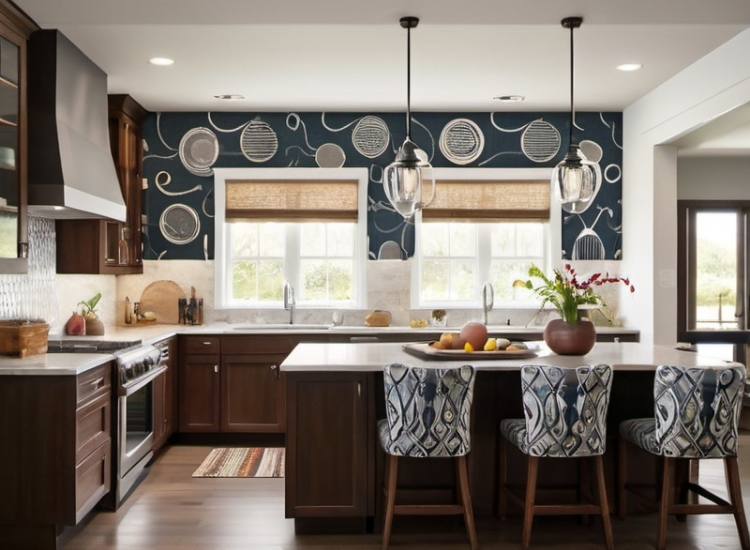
[(425, 351)]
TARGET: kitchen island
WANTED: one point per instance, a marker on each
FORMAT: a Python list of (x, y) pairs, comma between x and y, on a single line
[(335, 395)]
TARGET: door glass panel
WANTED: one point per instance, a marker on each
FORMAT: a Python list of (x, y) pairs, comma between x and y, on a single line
[(716, 270)]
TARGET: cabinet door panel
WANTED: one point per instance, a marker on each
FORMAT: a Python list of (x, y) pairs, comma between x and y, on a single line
[(199, 393), (326, 446), (252, 394)]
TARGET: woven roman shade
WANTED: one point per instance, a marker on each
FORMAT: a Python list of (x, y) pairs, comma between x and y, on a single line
[(276, 200), (489, 200)]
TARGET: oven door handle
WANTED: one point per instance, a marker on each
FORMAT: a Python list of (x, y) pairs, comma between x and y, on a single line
[(135, 385)]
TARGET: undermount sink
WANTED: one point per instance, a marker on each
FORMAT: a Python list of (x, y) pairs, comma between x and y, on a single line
[(280, 326)]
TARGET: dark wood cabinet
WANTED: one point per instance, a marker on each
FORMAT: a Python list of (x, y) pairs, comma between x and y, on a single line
[(252, 394), (329, 445), (233, 384), (59, 430), (165, 395), (200, 393), (107, 246)]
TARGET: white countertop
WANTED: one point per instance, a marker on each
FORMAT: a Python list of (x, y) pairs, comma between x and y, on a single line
[(76, 363), (363, 357), (53, 364)]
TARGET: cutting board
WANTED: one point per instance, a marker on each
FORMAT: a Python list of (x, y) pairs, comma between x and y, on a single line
[(161, 298)]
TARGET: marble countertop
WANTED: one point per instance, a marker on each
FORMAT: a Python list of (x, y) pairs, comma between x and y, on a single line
[(53, 364), (364, 357), (87, 356)]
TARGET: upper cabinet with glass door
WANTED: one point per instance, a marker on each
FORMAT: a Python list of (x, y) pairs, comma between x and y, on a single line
[(15, 29)]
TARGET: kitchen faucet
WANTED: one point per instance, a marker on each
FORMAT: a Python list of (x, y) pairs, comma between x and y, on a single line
[(488, 299), (289, 301)]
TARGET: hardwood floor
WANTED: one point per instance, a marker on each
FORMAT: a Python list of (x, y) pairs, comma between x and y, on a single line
[(170, 510)]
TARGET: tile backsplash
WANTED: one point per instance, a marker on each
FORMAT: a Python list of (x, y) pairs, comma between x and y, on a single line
[(33, 296)]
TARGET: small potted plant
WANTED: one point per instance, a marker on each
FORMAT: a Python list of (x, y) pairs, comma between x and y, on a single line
[(572, 334), (94, 325)]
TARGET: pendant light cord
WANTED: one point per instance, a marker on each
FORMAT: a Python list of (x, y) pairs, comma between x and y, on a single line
[(408, 83), (572, 96)]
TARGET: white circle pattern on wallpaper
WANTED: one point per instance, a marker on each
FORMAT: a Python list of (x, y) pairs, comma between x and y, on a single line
[(258, 141), (330, 155), (540, 141), (609, 178), (179, 224), (199, 149), (370, 136), (461, 141), (591, 150)]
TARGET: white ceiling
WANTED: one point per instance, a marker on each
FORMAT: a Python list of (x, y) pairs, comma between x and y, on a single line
[(334, 55)]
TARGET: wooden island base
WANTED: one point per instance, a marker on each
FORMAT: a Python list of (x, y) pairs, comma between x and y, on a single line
[(334, 465)]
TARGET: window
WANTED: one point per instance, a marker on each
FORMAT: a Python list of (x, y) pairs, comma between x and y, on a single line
[(456, 259), (297, 225), (714, 266), (484, 226)]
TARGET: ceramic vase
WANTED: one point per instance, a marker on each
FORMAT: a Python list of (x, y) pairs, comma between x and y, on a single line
[(566, 339), (94, 327)]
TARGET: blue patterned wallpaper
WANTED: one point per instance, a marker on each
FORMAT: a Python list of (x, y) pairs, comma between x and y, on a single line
[(183, 148)]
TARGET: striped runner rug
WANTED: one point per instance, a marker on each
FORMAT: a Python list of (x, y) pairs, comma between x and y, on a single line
[(243, 462)]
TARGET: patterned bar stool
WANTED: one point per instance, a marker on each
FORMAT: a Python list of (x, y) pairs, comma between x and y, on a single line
[(428, 415), (696, 416), (565, 413)]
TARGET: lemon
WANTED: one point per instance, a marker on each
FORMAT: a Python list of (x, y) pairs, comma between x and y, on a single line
[(468, 347), (490, 345)]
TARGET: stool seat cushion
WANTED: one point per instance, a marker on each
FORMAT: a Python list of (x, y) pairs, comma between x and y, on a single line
[(642, 433), (514, 430)]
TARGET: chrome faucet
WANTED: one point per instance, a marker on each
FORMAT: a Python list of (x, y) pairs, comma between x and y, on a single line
[(289, 301), (488, 299)]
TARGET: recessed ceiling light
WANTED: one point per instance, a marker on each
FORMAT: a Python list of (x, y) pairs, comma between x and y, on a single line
[(629, 67), (510, 98), (230, 97), (161, 61)]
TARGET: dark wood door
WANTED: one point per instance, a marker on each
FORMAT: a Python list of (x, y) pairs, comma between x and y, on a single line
[(200, 395), (252, 394), (327, 445)]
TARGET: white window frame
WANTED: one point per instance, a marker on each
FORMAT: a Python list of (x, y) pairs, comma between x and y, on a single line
[(553, 236), (291, 269)]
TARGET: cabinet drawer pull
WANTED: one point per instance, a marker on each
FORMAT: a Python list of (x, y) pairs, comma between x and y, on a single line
[(216, 368), (274, 367), (359, 389), (97, 383), (206, 343)]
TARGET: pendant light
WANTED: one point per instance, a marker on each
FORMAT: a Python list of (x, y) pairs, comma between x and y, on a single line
[(405, 178), (576, 180)]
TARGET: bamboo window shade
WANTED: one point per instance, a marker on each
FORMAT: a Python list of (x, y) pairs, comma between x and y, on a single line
[(275, 200), (489, 200)]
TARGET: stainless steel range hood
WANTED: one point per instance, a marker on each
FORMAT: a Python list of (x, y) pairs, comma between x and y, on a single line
[(71, 171)]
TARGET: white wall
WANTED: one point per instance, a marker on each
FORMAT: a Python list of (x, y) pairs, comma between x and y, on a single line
[(713, 178), (712, 86)]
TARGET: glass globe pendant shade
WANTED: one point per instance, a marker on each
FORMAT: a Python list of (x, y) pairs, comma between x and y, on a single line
[(405, 179), (576, 181)]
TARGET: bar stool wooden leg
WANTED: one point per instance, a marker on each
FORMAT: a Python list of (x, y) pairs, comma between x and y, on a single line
[(390, 496), (667, 496), (622, 477), (682, 477), (502, 500), (528, 509), (462, 477), (735, 494), (603, 503), (584, 486)]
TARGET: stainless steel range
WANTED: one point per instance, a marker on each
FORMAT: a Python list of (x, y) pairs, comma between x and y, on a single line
[(134, 410)]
